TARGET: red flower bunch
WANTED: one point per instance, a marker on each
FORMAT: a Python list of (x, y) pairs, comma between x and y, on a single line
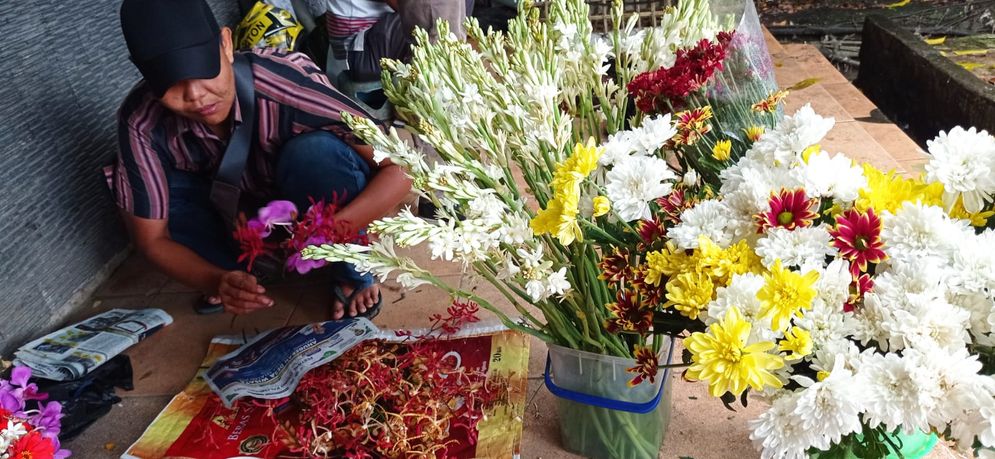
[(384, 399), (666, 89), (317, 226)]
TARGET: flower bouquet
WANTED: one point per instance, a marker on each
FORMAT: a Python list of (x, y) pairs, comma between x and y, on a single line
[(553, 186), (29, 429)]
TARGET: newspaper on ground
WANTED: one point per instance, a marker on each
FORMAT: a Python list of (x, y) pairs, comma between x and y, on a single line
[(74, 351), (271, 364)]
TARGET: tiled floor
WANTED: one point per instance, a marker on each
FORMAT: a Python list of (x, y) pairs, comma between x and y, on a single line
[(700, 426)]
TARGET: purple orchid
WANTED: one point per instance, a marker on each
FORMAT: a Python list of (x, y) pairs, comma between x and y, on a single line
[(280, 213), (47, 418), (14, 393), (302, 266)]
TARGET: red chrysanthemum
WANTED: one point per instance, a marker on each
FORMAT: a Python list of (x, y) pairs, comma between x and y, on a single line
[(649, 293), (666, 89), (630, 314), (858, 288), (647, 365), (32, 446), (673, 205), (692, 125), (858, 237), (615, 267), (789, 210), (651, 231)]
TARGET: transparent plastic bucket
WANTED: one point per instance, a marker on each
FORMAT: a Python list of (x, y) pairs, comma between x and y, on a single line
[(600, 415)]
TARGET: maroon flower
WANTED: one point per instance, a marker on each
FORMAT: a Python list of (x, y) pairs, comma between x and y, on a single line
[(647, 366)]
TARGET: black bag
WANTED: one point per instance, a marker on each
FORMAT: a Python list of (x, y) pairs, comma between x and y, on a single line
[(90, 397)]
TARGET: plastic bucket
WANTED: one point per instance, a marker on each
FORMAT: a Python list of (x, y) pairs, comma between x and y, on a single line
[(914, 446), (600, 415)]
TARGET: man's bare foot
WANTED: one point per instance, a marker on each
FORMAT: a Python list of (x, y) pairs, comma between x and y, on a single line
[(361, 302)]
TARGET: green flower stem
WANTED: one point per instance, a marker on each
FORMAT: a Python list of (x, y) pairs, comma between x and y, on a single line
[(601, 233), (488, 273), (490, 307)]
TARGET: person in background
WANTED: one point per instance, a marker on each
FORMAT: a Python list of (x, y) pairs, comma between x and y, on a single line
[(175, 125), (365, 31)]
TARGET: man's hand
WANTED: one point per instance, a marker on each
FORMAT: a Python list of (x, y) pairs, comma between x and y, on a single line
[(241, 293)]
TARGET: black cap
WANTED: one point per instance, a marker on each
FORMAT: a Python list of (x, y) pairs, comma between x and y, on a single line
[(171, 40)]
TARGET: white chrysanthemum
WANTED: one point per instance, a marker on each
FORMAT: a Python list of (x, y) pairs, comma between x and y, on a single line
[(835, 177), (977, 421), (865, 322), (748, 184), (898, 391), (784, 144), (653, 134), (917, 232), (634, 182), (833, 286), (925, 322), (897, 281), (841, 350), (962, 389), (964, 162), (778, 432), (618, 147), (805, 248), (711, 219), (742, 293), (827, 325), (830, 408), (974, 264)]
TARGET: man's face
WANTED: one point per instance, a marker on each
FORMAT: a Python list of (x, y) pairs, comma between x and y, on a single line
[(207, 101)]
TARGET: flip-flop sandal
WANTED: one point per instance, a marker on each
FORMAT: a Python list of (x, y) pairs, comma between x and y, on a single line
[(370, 313), (204, 307)]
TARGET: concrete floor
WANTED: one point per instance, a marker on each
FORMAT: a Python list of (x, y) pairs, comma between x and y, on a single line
[(700, 426)]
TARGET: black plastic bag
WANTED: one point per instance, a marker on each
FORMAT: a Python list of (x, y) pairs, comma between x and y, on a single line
[(89, 398)]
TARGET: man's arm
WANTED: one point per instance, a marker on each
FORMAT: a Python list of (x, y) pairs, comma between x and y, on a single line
[(385, 190), (238, 290)]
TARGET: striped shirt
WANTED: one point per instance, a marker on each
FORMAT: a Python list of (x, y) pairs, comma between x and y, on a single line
[(349, 17), (292, 95)]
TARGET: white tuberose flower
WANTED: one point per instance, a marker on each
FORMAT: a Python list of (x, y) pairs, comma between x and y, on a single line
[(964, 161), (634, 182)]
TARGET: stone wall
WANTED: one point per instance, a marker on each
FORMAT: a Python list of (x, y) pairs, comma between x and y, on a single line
[(64, 69), (915, 86)]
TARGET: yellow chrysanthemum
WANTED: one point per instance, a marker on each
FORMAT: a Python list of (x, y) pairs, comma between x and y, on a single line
[(887, 191), (667, 262), (785, 294), (754, 132), (722, 150), (979, 219), (601, 205), (722, 264), (690, 293), (723, 358), (560, 215), (797, 343)]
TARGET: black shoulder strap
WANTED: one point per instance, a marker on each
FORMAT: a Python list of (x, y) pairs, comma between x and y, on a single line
[(226, 189)]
